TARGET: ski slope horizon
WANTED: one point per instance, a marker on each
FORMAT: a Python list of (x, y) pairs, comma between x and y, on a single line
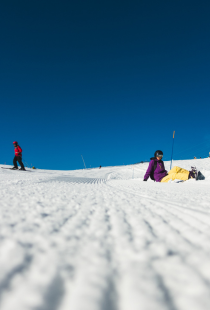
[(111, 166), (102, 239)]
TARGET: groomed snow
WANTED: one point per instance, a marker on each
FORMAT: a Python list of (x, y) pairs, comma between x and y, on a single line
[(100, 239)]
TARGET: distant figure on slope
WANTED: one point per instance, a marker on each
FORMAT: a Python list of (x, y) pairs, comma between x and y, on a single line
[(156, 171), (18, 156), (100, 167)]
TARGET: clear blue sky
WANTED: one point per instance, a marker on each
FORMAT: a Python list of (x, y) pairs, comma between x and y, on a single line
[(110, 80)]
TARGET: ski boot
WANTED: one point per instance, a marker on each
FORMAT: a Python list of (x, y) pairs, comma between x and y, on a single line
[(193, 173)]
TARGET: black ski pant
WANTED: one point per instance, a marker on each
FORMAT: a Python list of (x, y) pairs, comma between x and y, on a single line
[(19, 159)]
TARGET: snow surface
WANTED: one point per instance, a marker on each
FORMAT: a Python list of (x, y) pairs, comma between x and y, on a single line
[(99, 239)]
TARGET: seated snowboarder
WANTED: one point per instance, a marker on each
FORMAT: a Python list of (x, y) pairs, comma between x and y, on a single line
[(18, 156), (156, 171)]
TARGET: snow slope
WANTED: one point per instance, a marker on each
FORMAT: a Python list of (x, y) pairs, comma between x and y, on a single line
[(100, 239)]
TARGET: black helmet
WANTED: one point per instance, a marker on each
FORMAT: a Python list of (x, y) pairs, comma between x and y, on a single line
[(158, 153)]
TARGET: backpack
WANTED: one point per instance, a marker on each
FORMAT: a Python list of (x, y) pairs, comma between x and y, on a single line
[(153, 170)]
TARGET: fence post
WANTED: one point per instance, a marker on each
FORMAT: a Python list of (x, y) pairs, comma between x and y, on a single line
[(172, 149), (83, 162)]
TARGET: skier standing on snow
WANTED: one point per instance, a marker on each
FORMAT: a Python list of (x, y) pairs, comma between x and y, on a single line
[(156, 171), (18, 156)]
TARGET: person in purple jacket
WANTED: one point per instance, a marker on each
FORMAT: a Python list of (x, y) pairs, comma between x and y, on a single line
[(157, 172)]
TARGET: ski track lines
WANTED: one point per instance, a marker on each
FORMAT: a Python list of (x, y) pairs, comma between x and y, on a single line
[(100, 240), (75, 180)]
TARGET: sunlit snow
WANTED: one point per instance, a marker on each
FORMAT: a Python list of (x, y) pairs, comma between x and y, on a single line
[(102, 239)]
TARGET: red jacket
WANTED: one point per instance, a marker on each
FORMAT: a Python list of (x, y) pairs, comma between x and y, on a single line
[(18, 151)]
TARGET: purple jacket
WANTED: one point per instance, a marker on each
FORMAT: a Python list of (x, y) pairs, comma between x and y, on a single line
[(159, 172)]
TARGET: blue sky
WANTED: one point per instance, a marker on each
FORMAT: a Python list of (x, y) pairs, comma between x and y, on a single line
[(108, 80)]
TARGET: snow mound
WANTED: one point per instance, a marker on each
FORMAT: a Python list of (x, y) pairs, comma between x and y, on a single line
[(101, 239)]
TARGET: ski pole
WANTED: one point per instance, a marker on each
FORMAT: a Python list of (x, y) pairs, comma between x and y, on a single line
[(172, 149), (25, 163)]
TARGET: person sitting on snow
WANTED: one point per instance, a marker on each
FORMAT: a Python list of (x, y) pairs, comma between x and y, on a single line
[(18, 156), (156, 171)]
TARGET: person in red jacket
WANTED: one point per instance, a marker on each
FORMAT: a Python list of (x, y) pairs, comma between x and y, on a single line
[(18, 156)]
